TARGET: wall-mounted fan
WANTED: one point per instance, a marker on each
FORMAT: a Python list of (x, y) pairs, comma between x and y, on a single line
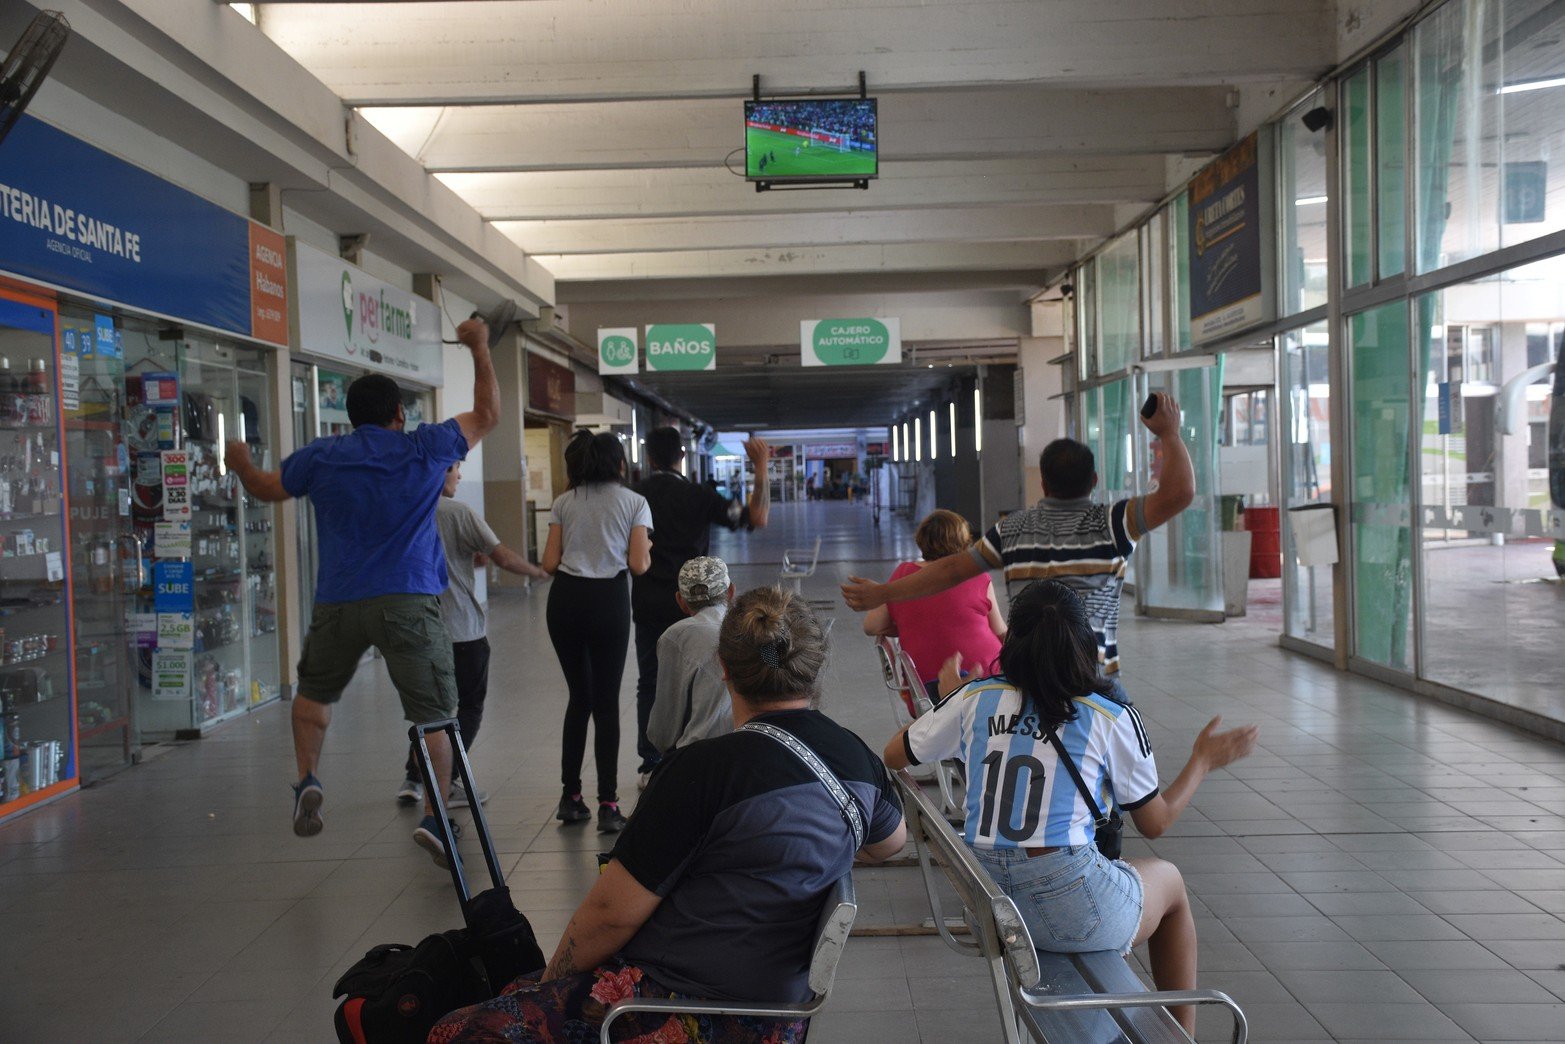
[(24, 68)]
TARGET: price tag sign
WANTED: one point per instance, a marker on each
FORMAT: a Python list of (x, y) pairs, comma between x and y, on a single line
[(176, 485), (171, 540), (170, 675), (176, 630)]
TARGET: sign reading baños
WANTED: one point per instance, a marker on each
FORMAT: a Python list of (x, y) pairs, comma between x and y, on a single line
[(681, 346), (850, 342)]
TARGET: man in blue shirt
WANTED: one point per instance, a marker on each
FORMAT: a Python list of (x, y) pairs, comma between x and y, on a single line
[(382, 568)]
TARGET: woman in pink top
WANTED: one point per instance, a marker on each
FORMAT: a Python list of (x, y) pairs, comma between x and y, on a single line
[(964, 621)]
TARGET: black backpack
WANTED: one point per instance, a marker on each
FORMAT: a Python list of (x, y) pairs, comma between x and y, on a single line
[(396, 992)]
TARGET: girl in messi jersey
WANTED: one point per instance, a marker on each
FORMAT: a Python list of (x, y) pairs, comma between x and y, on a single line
[(1026, 820)]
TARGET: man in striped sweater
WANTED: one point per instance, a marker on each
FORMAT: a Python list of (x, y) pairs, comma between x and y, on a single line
[(1065, 537)]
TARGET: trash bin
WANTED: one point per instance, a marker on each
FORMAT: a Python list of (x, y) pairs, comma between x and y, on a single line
[(1265, 527)]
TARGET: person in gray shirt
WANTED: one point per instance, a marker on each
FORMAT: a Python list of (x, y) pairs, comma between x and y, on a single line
[(468, 542), (692, 699)]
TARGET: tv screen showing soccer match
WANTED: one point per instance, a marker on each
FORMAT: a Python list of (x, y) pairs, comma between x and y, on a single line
[(810, 138)]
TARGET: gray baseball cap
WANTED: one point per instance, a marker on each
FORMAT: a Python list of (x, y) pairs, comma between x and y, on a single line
[(703, 580)]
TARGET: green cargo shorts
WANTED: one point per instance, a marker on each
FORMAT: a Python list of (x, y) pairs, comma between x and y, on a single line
[(409, 633)]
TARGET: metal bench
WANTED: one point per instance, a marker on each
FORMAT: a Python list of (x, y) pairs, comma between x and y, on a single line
[(910, 700), (1047, 997), (831, 936)]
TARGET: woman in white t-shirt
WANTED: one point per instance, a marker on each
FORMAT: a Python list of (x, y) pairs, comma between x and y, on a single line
[(597, 530), (1027, 821)]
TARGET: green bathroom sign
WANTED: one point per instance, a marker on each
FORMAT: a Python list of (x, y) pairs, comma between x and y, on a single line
[(850, 342), (617, 352), (681, 346)]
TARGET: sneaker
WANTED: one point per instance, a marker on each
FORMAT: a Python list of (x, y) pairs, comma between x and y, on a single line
[(427, 837), (307, 799), (458, 797), (411, 792), (642, 779), (609, 819), (572, 809)]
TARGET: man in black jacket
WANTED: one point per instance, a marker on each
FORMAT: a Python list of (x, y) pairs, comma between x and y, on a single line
[(683, 514)]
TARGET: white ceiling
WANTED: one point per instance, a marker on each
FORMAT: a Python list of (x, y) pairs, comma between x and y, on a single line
[(1014, 134)]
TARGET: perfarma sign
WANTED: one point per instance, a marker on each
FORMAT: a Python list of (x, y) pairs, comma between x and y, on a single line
[(345, 314)]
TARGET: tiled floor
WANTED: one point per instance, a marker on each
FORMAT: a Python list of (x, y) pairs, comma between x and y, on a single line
[(1383, 869)]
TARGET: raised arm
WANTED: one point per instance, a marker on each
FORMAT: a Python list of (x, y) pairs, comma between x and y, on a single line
[(485, 414), (263, 485), (760, 502), (940, 575), (1176, 483), (512, 562), (1213, 750)]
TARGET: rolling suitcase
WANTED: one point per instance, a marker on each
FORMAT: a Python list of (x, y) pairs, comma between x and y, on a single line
[(396, 993)]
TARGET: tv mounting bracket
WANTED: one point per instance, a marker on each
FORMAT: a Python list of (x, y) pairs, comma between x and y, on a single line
[(823, 183)]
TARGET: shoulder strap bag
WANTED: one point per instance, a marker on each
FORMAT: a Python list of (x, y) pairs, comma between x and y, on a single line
[(849, 807), (1111, 829)]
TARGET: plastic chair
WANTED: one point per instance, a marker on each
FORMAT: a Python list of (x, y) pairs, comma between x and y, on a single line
[(831, 937)]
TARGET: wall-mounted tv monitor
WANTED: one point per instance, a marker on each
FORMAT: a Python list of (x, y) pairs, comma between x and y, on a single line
[(797, 139)]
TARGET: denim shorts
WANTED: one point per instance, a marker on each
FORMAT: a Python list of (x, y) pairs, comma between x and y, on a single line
[(1073, 900)]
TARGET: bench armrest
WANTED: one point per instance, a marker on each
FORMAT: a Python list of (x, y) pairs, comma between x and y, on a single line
[(676, 1006), (1161, 999)]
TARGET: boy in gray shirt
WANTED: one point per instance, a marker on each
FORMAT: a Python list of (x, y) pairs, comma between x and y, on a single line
[(692, 700), (468, 541)]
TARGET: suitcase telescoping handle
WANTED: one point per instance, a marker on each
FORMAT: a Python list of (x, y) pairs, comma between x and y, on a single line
[(437, 797)]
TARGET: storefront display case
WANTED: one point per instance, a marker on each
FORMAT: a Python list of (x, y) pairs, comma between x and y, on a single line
[(37, 695)]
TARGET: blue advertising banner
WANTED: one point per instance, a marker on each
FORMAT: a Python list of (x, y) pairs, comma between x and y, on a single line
[(76, 217), (1226, 226), (174, 589)]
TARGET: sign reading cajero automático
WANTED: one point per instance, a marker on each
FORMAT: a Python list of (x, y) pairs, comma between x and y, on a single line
[(617, 351), (850, 342), (681, 346)]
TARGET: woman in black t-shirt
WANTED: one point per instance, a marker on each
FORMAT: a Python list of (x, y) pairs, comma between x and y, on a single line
[(714, 887)]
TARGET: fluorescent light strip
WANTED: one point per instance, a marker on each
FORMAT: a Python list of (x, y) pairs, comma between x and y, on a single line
[(953, 429), (1533, 85), (918, 439), (895, 456), (978, 420), (934, 438), (1309, 201)]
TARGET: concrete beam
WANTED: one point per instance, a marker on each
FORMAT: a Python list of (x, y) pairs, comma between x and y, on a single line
[(944, 124), (1042, 257), (563, 49), (625, 194), (997, 224), (1021, 283)]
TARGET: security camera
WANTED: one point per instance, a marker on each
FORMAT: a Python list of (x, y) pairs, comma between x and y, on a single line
[(1318, 118), (1067, 290)]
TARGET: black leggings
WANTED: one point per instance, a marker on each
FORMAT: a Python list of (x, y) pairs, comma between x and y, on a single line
[(589, 624)]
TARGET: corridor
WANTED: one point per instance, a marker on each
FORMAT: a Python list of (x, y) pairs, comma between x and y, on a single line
[(1383, 868)]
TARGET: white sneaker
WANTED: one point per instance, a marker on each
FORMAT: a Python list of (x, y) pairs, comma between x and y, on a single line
[(642, 780), (411, 792), (458, 797)]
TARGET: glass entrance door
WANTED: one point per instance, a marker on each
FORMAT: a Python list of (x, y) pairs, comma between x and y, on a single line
[(1179, 566)]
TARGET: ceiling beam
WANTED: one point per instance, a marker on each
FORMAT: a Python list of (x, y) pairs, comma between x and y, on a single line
[(1041, 257), (623, 195), (546, 50), (926, 125), (650, 235)]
